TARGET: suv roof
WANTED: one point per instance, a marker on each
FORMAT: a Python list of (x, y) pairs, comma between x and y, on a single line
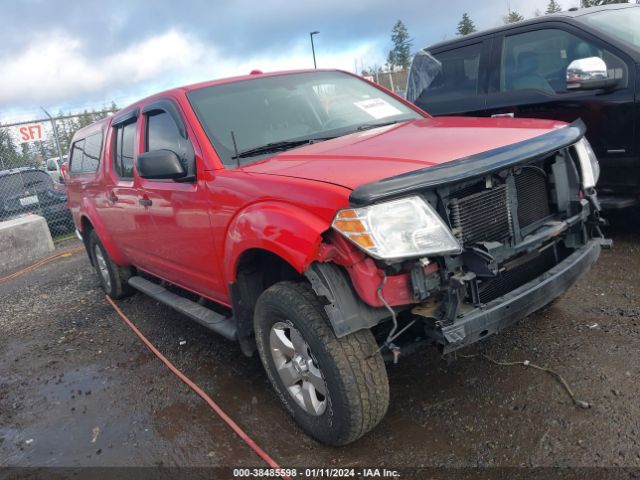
[(579, 12), (4, 173)]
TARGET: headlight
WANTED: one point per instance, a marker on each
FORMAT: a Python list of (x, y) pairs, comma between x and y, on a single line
[(397, 229), (589, 166)]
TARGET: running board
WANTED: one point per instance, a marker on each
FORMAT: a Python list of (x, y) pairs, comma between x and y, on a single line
[(220, 324)]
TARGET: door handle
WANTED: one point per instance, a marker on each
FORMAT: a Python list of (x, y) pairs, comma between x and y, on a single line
[(507, 114), (112, 198), (145, 202)]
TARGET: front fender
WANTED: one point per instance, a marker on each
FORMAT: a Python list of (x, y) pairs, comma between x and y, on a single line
[(283, 229)]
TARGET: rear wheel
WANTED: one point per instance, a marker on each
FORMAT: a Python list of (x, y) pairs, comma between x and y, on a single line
[(114, 279), (336, 389)]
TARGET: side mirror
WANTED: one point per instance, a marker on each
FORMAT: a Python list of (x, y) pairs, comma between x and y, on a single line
[(160, 165), (64, 170), (589, 74)]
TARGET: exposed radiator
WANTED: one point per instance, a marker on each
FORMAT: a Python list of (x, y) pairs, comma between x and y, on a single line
[(533, 196), (482, 216)]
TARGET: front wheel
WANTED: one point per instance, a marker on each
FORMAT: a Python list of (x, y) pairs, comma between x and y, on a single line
[(114, 278), (336, 389)]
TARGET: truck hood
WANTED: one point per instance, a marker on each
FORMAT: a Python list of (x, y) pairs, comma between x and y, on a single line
[(359, 158)]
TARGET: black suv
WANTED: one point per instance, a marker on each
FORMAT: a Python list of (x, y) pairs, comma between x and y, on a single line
[(576, 64), (29, 190)]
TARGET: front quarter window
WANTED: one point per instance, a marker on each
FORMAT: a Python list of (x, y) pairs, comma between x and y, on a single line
[(449, 75), (289, 110)]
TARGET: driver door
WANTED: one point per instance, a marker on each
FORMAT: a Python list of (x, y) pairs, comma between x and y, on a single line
[(181, 249), (529, 80)]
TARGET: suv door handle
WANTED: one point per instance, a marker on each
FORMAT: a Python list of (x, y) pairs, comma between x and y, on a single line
[(507, 114), (145, 202)]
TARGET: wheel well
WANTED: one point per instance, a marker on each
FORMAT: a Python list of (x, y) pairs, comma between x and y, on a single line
[(257, 270), (87, 228)]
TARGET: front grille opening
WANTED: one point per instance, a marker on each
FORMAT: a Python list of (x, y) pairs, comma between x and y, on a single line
[(516, 277)]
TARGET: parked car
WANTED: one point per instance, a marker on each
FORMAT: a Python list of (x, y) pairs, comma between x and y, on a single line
[(325, 222), (29, 190), (53, 168), (576, 64)]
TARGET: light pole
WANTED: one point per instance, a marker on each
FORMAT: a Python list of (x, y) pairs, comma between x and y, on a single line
[(313, 50), (55, 134)]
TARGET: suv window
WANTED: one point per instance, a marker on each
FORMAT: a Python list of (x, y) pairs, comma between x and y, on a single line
[(456, 75), (123, 149), (19, 183), (85, 154), (162, 133), (35, 180), (539, 60), (77, 156), (92, 149)]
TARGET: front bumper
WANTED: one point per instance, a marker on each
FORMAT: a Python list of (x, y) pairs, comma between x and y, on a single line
[(517, 304)]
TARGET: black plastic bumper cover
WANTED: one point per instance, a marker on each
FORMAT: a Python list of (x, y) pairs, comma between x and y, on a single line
[(514, 306)]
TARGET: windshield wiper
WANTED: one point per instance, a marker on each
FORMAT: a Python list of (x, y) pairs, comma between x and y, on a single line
[(369, 126), (277, 146)]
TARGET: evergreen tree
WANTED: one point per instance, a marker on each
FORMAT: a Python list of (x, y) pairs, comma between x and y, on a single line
[(466, 25), (85, 119), (9, 157), (553, 7), (513, 17), (595, 3), (400, 54)]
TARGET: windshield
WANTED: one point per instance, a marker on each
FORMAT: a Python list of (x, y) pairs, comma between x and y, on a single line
[(291, 109), (623, 23)]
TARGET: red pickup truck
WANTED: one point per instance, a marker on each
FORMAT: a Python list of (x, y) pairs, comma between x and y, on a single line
[(327, 223)]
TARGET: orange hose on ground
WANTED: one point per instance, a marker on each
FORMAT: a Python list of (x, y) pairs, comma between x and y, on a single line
[(64, 253), (234, 426)]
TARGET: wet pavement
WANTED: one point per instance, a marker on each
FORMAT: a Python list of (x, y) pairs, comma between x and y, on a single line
[(78, 388)]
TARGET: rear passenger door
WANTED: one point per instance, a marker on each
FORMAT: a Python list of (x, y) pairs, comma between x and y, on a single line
[(126, 220), (83, 177), (456, 83), (529, 80)]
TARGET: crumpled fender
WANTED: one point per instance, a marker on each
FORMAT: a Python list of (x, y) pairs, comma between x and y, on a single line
[(283, 229)]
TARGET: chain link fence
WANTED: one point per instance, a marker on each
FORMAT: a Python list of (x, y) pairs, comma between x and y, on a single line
[(31, 181), (33, 191)]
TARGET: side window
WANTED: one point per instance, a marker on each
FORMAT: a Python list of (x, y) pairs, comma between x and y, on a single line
[(451, 75), (92, 149), (539, 60), (123, 149), (163, 134), (77, 156)]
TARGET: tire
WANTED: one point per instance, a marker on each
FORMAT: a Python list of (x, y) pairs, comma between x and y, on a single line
[(354, 374), (113, 278)]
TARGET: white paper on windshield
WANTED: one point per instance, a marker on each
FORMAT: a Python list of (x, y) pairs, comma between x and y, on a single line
[(377, 108)]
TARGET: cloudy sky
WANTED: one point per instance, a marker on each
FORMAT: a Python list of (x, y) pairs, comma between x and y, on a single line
[(72, 55)]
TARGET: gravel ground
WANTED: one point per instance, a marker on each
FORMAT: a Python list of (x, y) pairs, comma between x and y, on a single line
[(78, 389)]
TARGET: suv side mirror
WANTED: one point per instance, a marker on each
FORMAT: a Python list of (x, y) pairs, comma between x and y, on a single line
[(589, 74), (160, 165)]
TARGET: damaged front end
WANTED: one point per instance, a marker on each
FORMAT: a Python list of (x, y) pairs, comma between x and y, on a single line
[(526, 219)]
